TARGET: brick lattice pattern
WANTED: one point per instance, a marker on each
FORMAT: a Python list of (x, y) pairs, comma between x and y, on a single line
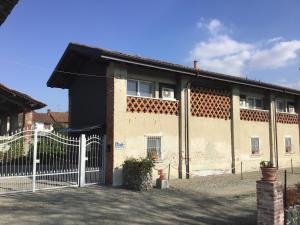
[(150, 105), (287, 118), (213, 103), (254, 115)]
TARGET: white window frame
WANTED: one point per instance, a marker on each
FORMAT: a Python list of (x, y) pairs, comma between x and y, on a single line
[(138, 88), (259, 146), (288, 108), (254, 102), (288, 136), (284, 105), (161, 158)]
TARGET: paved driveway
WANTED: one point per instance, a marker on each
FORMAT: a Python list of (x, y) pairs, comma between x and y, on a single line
[(207, 200)]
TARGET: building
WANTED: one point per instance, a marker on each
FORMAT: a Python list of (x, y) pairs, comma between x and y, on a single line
[(45, 121), (14, 106), (199, 121)]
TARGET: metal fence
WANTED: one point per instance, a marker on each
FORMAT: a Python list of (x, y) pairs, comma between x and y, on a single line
[(32, 160)]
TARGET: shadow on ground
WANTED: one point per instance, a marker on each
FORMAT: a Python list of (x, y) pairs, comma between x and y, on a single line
[(105, 205)]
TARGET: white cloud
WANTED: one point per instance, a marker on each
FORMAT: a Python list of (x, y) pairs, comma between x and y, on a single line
[(279, 55), (222, 53), (214, 26)]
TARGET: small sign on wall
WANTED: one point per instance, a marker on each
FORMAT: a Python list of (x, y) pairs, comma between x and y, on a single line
[(119, 145)]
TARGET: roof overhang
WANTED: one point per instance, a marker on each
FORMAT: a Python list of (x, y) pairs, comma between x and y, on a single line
[(12, 101), (59, 77), (6, 7)]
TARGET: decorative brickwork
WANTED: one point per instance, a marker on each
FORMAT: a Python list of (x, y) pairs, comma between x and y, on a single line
[(206, 102), (254, 115), (269, 203), (151, 105), (287, 118)]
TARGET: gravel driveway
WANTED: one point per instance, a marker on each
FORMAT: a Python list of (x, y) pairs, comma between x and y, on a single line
[(220, 200)]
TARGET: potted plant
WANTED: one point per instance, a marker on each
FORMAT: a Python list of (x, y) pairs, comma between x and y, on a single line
[(268, 170)]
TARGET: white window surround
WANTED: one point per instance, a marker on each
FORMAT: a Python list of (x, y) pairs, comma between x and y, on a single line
[(285, 146), (259, 146), (152, 93), (244, 104), (285, 103), (155, 136)]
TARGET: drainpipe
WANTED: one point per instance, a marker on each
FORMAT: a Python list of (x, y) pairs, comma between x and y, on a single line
[(187, 133)]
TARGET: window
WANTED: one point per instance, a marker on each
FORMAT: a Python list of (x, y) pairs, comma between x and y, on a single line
[(255, 146), (243, 100), (154, 147), (139, 88), (280, 106), (251, 102), (288, 145), (132, 87), (291, 107)]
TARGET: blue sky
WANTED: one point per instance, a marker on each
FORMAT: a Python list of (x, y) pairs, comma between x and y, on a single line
[(258, 39)]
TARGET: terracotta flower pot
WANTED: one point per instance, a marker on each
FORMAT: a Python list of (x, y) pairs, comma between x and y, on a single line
[(269, 173)]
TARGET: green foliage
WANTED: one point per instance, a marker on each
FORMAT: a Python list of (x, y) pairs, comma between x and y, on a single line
[(137, 173), (58, 126), (266, 164), (142, 165)]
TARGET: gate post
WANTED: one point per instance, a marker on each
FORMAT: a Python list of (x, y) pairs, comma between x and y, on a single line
[(82, 160), (103, 159), (34, 159)]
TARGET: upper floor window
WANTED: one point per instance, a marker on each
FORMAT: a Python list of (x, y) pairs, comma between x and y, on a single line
[(251, 102), (291, 107), (280, 106), (139, 88)]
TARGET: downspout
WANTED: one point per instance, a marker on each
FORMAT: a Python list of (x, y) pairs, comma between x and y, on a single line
[(187, 133)]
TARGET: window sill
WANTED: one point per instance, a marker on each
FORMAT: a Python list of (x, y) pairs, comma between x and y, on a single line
[(136, 96), (255, 155), (288, 113), (264, 110), (289, 153)]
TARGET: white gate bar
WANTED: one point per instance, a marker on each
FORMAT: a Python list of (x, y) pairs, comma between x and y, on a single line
[(103, 171), (82, 160), (34, 159)]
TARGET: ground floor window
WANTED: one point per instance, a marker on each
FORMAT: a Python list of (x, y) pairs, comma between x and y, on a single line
[(288, 145), (154, 147), (255, 148)]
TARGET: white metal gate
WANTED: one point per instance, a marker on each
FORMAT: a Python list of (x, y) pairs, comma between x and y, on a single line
[(33, 160)]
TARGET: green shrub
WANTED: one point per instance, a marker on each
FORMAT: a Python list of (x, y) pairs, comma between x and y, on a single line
[(137, 174)]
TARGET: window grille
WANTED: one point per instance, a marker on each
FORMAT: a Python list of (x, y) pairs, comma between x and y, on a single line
[(255, 146), (288, 145), (154, 147)]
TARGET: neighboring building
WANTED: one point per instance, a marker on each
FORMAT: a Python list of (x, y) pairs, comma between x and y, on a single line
[(45, 121), (6, 6), (200, 121), (13, 105)]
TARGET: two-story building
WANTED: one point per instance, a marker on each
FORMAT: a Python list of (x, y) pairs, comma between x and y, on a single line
[(199, 121)]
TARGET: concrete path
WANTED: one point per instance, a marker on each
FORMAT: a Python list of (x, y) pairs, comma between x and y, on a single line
[(216, 200)]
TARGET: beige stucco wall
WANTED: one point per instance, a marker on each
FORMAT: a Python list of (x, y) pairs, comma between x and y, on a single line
[(243, 154), (130, 128), (210, 145), (291, 130)]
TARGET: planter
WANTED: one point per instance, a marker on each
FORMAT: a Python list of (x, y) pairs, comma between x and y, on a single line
[(269, 173)]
